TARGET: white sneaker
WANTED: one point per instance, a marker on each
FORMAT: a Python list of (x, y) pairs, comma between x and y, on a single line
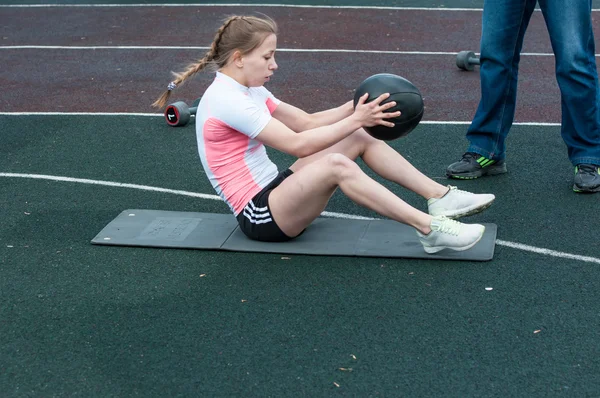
[(456, 203), (450, 234)]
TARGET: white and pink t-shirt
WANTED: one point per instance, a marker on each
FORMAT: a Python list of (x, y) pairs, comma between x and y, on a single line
[(228, 119)]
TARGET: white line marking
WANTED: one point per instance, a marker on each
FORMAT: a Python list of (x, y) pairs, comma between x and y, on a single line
[(547, 252), (543, 124), (291, 50), (79, 114), (247, 5), (240, 5), (514, 245), (299, 50), (342, 7)]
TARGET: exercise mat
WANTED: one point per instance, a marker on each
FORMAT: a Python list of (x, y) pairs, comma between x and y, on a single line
[(325, 236)]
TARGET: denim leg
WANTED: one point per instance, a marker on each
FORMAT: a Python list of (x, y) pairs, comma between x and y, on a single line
[(570, 26), (504, 23)]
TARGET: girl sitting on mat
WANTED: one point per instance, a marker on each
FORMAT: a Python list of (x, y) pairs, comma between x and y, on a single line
[(237, 116)]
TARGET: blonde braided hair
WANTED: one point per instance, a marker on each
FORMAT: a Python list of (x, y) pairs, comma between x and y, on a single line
[(237, 33)]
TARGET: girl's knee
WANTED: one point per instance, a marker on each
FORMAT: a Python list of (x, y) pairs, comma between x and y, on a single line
[(337, 159), (364, 139), (340, 165)]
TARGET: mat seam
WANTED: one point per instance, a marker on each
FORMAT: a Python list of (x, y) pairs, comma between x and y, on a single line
[(361, 238)]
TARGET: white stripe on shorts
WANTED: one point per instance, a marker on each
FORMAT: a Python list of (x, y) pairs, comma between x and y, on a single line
[(250, 216), (257, 215), (263, 209)]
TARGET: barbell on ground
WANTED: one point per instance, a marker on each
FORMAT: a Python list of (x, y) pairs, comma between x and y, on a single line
[(466, 60), (179, 113)]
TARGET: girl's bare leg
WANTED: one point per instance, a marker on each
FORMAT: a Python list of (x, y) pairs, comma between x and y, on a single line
[(304, 195), (383, 160)]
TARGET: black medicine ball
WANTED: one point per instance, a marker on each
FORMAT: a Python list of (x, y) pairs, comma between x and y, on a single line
[(408, 101)]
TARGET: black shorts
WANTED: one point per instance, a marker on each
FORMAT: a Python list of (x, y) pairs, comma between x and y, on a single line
[(255, 219)]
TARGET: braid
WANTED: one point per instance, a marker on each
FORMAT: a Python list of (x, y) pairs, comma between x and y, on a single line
[(180, 77), (192, 69), (227, 40), (219, 35)]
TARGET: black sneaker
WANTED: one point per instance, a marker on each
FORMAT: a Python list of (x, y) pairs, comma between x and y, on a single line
[(473, 165), (587, 178)]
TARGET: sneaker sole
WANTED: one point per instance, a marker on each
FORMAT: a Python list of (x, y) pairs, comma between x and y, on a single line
[(585, 190), (435, 249), (489, 171), (467, 212)]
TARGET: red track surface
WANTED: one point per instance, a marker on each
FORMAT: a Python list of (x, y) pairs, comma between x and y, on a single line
[(66, 80), (404, 30)]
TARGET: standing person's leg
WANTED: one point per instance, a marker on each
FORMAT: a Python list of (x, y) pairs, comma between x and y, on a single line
[(391, 165), (301, 198), (572, 38), (503, 28)]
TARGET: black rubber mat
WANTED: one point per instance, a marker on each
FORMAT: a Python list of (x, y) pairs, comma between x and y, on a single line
[(325, 236)]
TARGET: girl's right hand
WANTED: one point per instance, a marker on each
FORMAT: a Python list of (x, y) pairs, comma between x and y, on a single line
[(373, 113)]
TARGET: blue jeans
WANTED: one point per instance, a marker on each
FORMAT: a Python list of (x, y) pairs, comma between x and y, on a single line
[(503, 28)]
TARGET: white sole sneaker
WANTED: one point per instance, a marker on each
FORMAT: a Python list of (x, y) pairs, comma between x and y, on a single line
[(450, 234), (457, 203)]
